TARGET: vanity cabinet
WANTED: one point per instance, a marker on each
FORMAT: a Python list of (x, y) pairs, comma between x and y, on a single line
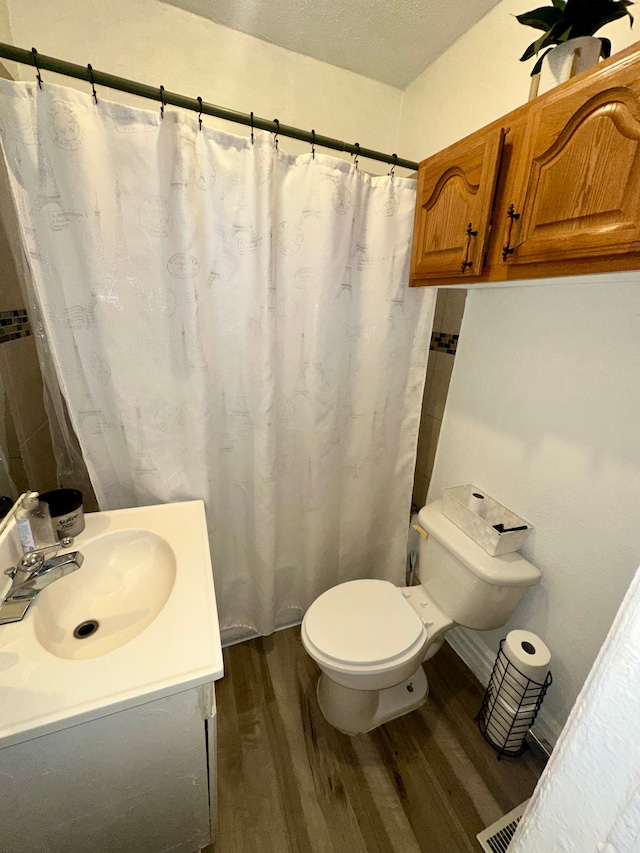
[(141, 780), (565, 197)]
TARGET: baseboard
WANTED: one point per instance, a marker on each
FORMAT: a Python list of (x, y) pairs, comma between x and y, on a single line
[(480, 660)]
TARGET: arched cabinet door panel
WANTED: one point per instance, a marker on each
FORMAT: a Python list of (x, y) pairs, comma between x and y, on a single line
[(579, 178), (453, 208)]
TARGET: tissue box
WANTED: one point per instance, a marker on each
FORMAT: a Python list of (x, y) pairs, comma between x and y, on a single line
[(480, 527)]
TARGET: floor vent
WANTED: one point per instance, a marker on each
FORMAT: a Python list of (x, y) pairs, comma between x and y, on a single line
[(497, 837)]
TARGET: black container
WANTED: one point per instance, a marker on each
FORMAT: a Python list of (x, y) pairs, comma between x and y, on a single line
[(5, 506), (67, 514)]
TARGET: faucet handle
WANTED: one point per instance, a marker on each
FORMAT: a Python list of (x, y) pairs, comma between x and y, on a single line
[(55, 546), (30, 560), (34, 559)]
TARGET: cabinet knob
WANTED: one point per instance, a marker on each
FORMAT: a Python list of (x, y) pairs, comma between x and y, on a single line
[(508, 249)]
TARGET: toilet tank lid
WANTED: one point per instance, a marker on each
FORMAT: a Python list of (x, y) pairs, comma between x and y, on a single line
[(507, 570)]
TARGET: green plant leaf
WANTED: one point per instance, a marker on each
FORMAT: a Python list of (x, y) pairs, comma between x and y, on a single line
[(566, 35), (535, 47), (588, 16), (541, 19), (566, 19), (628, 3), (605, 50), (556, 35), (538, 65), (529, 52)]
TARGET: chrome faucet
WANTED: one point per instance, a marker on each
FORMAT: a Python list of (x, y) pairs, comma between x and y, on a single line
[(32, 574)]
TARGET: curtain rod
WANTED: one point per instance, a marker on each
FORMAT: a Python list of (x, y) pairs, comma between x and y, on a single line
[(69, 69)]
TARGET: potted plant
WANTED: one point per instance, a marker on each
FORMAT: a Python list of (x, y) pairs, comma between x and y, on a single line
[(571, 25)]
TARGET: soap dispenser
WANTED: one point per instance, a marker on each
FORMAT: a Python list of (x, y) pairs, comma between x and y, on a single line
[(35, 527)]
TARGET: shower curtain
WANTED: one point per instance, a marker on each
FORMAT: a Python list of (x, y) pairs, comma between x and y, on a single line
[(230, 323)]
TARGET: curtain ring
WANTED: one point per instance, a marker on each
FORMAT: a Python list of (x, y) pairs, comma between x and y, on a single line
[(357, 154), (93, 85), (200, 113), (35, 62), (313, 145), (395, 162), (252, 128), (275, 138), (162, 103)]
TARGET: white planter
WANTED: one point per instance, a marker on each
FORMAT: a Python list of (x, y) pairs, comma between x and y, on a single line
[(568, 59)]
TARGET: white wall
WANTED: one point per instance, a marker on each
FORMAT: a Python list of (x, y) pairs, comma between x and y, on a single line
[(477, 80), (154, 43), (7, 69), (542, 413)]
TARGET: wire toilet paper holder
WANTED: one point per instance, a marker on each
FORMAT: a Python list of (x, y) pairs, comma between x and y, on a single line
[(510, 705)]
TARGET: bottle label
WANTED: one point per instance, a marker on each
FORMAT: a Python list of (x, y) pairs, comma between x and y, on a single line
[(26, 534)]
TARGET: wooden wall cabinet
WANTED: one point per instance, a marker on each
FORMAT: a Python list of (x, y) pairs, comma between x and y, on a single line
[(560, 196), (455, 201)]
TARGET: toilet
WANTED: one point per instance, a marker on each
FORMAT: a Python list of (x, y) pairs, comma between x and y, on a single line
[(370, 638)]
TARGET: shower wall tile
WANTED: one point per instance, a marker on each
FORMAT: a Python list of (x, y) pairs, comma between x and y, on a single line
[(453, 311), (427, 445), (18, 475), (29, 450), (23, 384), (14, 324), (431, 366), (14, 456), (438, 314), (443, 367), (446, 328), (10, 294), (39, 463), (420, 489), (443, 342)]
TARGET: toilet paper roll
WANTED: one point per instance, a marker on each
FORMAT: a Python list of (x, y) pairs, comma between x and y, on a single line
[(506, 725), (475, 502), (527, 652)]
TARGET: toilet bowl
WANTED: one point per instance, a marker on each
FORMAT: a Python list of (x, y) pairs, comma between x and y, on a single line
[(370, 638)]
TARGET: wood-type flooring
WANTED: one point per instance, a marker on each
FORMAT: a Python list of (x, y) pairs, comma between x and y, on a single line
[(290, 783)]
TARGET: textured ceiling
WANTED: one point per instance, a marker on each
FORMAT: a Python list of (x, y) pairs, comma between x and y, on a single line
[(391, 41)]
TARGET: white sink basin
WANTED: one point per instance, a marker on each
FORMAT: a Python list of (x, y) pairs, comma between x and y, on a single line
[(124, 582), (146, 581)]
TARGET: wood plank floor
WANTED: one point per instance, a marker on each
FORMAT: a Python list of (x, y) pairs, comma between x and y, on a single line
[(290, 783)]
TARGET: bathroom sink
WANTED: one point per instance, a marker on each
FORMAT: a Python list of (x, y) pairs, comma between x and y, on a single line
[(136, 622), (125, 581)]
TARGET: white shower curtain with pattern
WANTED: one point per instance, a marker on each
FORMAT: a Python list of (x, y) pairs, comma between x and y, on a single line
[(230, 323)]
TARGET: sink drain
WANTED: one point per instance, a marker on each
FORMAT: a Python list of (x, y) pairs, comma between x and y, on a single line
[(86, 629)]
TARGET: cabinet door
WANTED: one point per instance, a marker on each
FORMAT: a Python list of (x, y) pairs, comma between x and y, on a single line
[(453, 208), (134, 781), (579, 173)]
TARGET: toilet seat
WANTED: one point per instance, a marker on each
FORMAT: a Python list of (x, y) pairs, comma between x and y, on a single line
[(362, 626)]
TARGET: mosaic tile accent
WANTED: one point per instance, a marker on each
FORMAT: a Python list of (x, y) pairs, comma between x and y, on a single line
[(14, 324), (442, 342)]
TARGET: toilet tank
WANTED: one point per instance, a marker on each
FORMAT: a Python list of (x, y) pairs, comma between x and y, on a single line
[(473, 588)]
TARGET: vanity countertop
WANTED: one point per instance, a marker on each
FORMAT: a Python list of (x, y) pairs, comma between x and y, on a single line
[(42, 691)]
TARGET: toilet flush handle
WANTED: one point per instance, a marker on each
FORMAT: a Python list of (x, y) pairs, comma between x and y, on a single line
[(420, 530)]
